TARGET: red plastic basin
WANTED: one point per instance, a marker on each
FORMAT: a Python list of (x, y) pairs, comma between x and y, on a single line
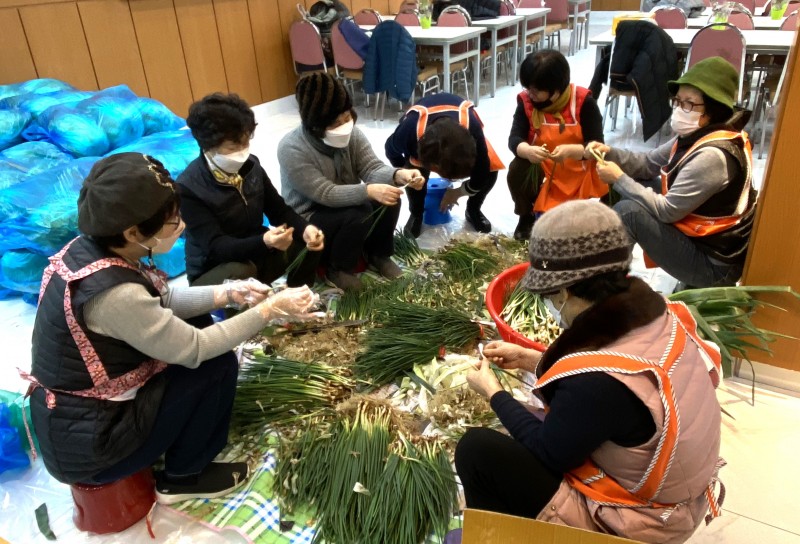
[(496, 295)]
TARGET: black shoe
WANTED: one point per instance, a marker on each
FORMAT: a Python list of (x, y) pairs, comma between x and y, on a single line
[(386, 267), (478, 220), (524, 227), (216, 480), (343, 280), (413, 226)]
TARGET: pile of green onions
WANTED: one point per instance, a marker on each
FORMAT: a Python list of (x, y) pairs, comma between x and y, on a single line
[(526, 313)]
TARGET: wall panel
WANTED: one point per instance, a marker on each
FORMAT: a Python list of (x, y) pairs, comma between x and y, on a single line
[(162, 53), (115, 55), (200, 39), (57, 44), (238, 53), (16, 63), (273, 59), (288, 14)]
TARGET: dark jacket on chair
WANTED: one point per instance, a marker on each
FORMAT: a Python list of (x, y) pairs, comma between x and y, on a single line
[(391, 63), (644, 60)]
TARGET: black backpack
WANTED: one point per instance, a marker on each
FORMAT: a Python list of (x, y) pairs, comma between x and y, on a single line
[(324, 13)]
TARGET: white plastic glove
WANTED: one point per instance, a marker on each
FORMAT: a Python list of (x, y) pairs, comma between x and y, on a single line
[(291, 304), (245, 293)]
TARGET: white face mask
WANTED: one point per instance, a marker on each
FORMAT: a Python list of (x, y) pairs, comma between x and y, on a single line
[(556, 312), (340, 136), (685, 123), (164, 245), (232, 162)]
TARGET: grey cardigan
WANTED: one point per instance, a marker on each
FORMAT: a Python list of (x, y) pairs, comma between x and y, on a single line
[(308, 177)]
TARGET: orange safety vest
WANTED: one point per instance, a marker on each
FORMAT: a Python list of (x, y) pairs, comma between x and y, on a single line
[(591, 480), (568, 180), (463, 109), (698, 225)]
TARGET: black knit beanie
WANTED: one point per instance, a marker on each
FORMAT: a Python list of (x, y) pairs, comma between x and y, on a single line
[(121, 191), (321, 98)]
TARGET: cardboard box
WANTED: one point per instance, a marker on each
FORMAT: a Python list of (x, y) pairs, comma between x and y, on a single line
[(481, 527), (629, 17)]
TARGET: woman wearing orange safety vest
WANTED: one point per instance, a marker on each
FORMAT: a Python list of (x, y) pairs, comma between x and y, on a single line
[(630, 441), (695, 222), (443, 133), (553, 121)]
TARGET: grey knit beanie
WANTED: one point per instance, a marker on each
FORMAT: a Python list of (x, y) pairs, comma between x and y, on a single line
[(575, 241)]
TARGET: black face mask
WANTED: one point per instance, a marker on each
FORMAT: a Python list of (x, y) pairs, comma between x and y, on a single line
[(543, 104)]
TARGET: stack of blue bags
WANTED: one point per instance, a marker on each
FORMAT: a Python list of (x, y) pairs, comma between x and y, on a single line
[(50, 136)]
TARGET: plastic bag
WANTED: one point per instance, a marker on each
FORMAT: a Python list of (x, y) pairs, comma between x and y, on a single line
[(36, 104), (92, 127), (37, 86), (41, 214), (174, 149), (21, 271), (157, 117), (28, 159), (12, 434), (12, 123)]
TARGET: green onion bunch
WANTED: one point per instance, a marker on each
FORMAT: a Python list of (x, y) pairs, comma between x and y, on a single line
[(407, 249), (409, 334), (723, 317), (273, 391), (526, 313), (464, 261)]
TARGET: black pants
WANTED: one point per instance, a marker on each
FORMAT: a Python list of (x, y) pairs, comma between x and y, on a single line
[(416, 199), (523, 192), (356, 230), (191, 427), (500, 475), (268, 269)]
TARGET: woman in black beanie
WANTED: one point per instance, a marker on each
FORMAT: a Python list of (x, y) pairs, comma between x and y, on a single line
[(125, 369), (331, 176)]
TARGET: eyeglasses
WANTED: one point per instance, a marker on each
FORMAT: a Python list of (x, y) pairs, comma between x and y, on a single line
[(174, 222), (686, 105)]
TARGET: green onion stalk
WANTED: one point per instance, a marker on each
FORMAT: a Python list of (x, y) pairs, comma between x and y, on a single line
[(273, 391), (723, 316), (526, 313)]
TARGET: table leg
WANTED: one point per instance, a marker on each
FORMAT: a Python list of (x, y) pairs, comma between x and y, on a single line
[(493, 59), (586, 26), (573, 39), (477, 72), (446, 60), (515, 62)]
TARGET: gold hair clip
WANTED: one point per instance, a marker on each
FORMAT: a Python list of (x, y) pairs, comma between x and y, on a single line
[(158, 173)]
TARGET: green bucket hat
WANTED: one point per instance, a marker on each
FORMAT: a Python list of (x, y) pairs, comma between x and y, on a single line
[(714, 76)]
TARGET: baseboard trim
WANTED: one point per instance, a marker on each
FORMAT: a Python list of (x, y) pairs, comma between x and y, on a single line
[(772, 376)]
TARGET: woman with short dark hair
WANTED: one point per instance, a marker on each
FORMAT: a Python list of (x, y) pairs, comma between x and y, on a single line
[(695, 223), (629, 444), (127, 370), (225, 195), (443, 133), (323, 163), (553, 121)]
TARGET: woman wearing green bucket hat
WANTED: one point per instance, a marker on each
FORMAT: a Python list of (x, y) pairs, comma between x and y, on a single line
[(695, 222)]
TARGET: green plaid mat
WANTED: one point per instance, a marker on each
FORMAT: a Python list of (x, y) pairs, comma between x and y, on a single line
[(254, 513)]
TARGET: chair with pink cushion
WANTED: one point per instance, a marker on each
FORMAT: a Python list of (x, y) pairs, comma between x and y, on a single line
[(368, 16), (458, 17), (407, 17), (719, 40), (348, 65), (669, 17), (305, 43)]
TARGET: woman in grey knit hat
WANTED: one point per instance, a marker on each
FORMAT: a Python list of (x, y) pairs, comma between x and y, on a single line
[(331, 176), (613, 453)]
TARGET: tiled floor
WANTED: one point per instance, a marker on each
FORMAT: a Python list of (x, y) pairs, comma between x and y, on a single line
[(759, 442)]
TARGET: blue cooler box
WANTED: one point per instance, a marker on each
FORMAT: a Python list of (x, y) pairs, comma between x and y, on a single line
[(433, 199)]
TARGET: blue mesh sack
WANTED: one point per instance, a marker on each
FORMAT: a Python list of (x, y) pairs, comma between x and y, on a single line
[(36, 104), (157, 117), (28, 159), (174, 149), (12, 123), (21, 271), (37, 86), (92, 127), (41, 213)]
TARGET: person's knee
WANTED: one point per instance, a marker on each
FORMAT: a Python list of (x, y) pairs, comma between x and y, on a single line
[(631, 213), (470, 448)]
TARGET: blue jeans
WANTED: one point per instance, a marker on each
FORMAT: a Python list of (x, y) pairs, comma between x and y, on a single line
[(673, 251)]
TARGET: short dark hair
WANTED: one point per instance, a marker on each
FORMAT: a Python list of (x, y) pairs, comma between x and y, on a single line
[(545, 70), (601, 286), (448, 146), (717, 112), (148, 227), (219, 118)]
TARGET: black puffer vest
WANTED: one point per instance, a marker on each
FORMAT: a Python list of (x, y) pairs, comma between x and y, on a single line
[(80, 436)]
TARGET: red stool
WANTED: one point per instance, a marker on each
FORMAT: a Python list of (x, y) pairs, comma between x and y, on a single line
[(113, 507)]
